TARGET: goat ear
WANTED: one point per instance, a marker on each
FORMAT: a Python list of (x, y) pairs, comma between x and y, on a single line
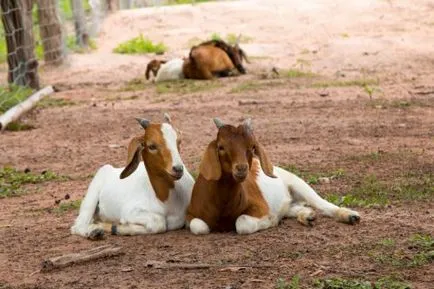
[(266, 165), (135, 149), (167, 118), (210, 167), (244, 55), (148, 70)]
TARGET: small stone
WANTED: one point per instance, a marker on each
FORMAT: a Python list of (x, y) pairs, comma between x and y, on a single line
[(67, 196), (324, 180)]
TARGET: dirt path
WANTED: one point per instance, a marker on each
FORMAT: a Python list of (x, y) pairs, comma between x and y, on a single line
[(365, 117)]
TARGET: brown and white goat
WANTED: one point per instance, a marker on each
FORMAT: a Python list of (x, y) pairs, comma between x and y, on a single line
[(238, 188), (153, 66), (214, 58), (150, 195)]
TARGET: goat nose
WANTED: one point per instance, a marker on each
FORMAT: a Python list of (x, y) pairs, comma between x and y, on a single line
[(178, 169), (242, 168)]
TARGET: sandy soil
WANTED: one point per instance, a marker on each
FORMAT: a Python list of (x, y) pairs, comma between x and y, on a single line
[(316, 129)]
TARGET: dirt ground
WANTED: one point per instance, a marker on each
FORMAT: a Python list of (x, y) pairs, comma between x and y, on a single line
[(367, 111)]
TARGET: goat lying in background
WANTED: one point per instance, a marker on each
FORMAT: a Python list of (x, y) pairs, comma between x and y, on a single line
[(238, 188), (214, 58), (144, 197)]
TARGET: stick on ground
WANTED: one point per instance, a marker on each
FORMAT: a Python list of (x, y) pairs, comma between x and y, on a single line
[(84, 256), (15, 112)]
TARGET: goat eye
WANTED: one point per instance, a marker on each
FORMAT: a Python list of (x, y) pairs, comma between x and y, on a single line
[(152, 147), (221, 148), (253, 149)]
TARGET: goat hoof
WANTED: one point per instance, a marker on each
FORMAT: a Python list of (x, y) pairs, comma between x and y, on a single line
[(353, 219), (310, 220), (97, 234)]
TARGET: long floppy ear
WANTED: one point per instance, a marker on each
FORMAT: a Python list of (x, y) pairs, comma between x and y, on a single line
[(210, 167), (244, 55), (266, 165), (135, 149)]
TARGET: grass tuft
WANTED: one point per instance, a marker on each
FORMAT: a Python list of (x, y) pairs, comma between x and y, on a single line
[(47, 102), (184, 86), (12, 180), (67, 207), (12, 95), (339, 283), (18, 126), (140, 45), (73, 46), (293, 284)]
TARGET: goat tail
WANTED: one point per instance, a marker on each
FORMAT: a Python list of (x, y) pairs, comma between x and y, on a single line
[(89, 204)]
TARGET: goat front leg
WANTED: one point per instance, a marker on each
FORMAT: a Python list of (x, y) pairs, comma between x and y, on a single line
[(246, 224), (175, 222)]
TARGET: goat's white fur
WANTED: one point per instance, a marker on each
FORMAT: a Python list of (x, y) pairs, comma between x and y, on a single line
[(170, 70), (132, 202), (285, 196)]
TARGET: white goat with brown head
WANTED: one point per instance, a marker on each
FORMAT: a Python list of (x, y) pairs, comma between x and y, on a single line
[(238, 188), (150, 195)]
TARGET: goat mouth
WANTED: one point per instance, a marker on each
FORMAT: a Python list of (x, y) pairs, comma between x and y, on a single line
[(239, 177), (176, 176)]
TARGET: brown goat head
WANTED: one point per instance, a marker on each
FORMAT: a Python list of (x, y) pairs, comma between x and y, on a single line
[(154, 65), (159, 149), (232, 153)]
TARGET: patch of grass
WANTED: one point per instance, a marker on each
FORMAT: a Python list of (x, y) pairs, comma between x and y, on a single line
[(73, 46), (3, 48), (293, 284), (254, 86), (295, 73), (418, 251), (339, 283), (136, 84), (54, 102), (66, 8), (12, 180), (345, 83), (184, 86), (12, 95), (216, 36), (367, 193), (140, 45), (67, 207), (231, 38), (313, 178), (18, 126), (388, 242)]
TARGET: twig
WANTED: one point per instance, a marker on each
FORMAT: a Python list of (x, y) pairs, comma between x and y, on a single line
[(88, 255), (188, 266)]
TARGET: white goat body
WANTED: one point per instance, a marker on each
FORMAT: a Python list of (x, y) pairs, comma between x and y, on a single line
[(171, 70)]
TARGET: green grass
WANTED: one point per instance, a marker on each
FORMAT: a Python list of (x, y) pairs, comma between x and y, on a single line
[(67, 207), (373, 192), (66, 8), (186, 86), (417, 251), (381, 103), (136, 84), (346, 83), (12, 180), (140, 45), (293, 284), (12, 95), (18, 126), (47, 102), (254, 85), (311, 177), (339, 283), (295, 73)]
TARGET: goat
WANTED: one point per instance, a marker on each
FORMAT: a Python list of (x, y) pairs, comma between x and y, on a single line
[(238, 188), (143, 197), (214, 58), (154, 66)]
